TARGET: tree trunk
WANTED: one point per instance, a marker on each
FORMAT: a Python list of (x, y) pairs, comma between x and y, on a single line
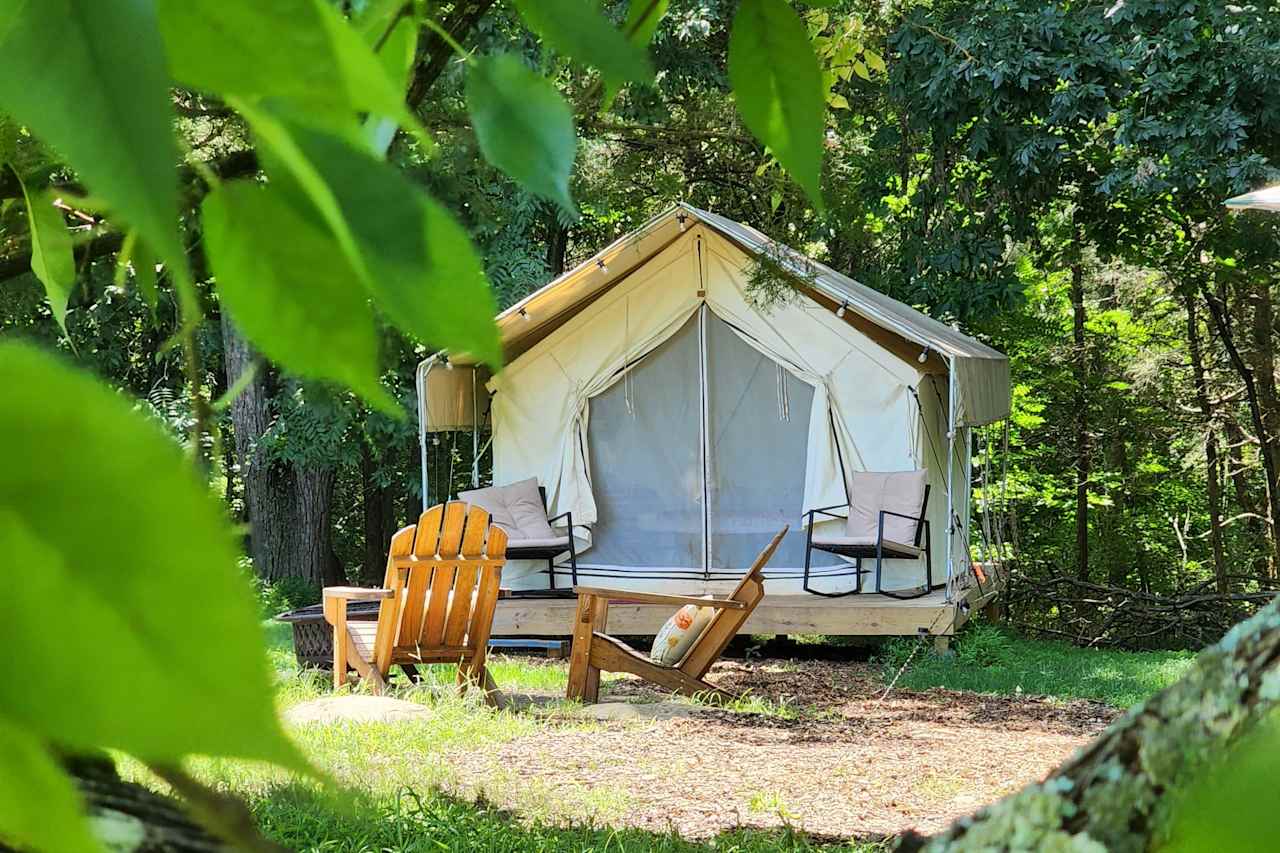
[(1222, 320), (313, 555), (1213, 474), (1081, 370), (1118, 793), (1263, 361), (289, 507), (379, 521), (557, 245)]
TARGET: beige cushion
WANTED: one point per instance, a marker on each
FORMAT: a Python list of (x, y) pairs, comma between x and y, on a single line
[(516, 508), (548, 542), (896, 491), (868, 542)]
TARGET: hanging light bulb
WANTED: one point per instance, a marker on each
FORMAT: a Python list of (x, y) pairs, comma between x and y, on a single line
[(840, 311), (923, 356), (524, 315), (435, 441), (603, 266), (682, 218), (448, 365)]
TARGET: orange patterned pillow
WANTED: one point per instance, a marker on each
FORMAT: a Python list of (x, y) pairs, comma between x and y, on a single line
[(679, 633)]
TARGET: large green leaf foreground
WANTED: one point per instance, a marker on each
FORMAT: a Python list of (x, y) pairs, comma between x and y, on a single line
[(1157, 777), (132, 624)]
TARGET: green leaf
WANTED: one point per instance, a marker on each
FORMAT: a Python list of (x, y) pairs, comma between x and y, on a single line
[(387, 22), (874, 60), (52, 259), (643, 18), (89, 78), (414, 259), (777, 84), (144, 276), (134, 577), (40, 809), (298, 50), (523, 126), (291, 290), (579, 30)]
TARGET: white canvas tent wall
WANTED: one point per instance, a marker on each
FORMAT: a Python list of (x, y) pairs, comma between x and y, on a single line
[(683, 423)]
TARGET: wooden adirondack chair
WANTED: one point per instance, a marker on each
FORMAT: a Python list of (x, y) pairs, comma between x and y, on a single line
[(595, 651), (438, 600)]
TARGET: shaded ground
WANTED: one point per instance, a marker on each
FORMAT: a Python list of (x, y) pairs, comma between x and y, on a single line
[(824, 754)]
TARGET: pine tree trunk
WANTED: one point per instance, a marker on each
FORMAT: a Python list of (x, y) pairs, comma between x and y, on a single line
[(1116, 793)]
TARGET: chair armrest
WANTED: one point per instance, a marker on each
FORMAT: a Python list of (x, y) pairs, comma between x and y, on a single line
[(356, 593), (918, 519), (659, 598), (568, 517), (826, 510)]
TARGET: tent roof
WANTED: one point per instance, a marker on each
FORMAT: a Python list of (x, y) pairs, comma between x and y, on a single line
[(539, 314), (1264, 199)]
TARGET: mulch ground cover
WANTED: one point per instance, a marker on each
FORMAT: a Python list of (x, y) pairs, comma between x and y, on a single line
[(839, 761)]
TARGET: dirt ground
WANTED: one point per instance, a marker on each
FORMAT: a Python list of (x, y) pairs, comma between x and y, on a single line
[(839, 764)]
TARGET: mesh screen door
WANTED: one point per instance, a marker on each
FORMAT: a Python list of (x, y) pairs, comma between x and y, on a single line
[(646, 463), (698, 459), (757, 438)]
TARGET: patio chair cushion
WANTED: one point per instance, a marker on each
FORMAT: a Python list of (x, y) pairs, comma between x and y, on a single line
[(679, 633), (516, 508), (896, 491), (890, 547), (548, 542)]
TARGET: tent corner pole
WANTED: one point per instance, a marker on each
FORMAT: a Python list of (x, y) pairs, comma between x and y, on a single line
[(951, 443), (475, 432), (424, 367)]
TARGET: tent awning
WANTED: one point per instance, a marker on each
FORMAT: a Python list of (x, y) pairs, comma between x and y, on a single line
[(982, 373)]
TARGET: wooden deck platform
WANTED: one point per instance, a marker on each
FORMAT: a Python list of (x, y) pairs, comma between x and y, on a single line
[(855, 615)]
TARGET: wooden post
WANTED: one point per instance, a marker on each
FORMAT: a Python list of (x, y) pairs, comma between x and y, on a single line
[(599, 622), (340, 641), (580, 656)]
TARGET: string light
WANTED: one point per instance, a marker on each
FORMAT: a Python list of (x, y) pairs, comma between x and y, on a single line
[(524, 315), (923, 356), (840, 311), (448, 365), (603, 266), (682, 218)]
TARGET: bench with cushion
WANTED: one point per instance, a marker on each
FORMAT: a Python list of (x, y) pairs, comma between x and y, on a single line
[(520, 509), (884, 520)]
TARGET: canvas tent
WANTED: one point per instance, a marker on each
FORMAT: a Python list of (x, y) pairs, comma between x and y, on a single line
[(683, 423)]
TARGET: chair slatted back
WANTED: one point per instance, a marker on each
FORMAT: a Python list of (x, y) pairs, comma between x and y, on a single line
[(724, 625), (443, 572)]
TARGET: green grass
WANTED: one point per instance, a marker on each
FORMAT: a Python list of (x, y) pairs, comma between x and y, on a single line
[(991, 660)]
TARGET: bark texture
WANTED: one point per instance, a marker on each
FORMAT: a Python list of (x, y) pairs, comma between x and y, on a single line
[(289, 507), (1119, 793)]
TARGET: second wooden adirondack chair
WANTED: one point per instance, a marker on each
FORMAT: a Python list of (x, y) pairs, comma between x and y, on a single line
[(438, 601), (594, 650)]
